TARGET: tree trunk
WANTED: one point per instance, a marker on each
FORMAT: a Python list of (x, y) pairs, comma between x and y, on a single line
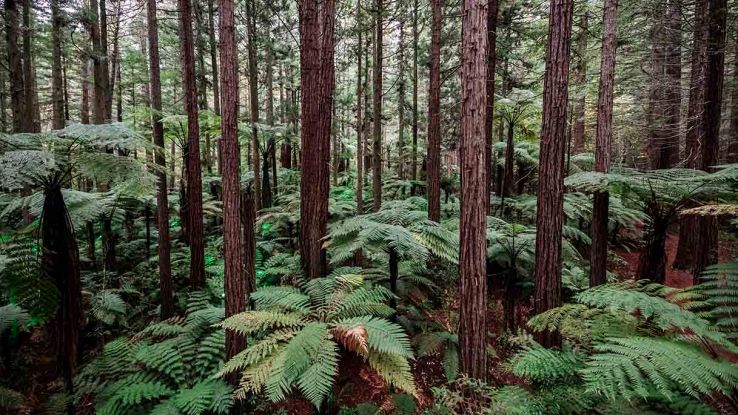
[(733, 137), (317, 20), (248, 217), (270, 113), (473, 254), (359, 120), (549, 218), (99, 62), (84, 74), (509, 178), (29, 72), (580, 80), (598, 256), (414, 163), (652, 262), (194, 180), (57, 84), (401, 103), (15, 68), (166, 286), (717, 11), (254, 101), (434, 115), (115, 67), (688, 230), (377, 101), (60, 261), (202, 82), (493, 7), (213, 58), (3, 102), (235, 284)]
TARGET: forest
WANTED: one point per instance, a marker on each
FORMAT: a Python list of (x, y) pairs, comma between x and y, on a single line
[(365, 207)]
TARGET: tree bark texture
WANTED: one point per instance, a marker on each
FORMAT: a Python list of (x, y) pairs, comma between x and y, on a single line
[(603, 139), (473, 226), (549, 220), (377, 105), (317, 20), (433, 158)]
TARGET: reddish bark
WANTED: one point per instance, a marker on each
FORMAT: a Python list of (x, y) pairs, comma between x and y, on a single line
[(598, 257), (254, 101), (166, 287), (474, 104), (359, 121), (317, 20), (433, 159), (194, 180), (57, 84), (549, 220), (493, 7), (235, 284), (377, 104), (733, 138), (580, 79), (15, 67)]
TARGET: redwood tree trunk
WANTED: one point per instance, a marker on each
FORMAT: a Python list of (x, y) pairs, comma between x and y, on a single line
[(15, 67), (688, 231), (414, 160), (493, 7), (473, 259), (549, 220), (377, 101), (598, 257), (733, 138), (580, 79), (166, 287), (29, 71), (717, 11), (213, 57), (235, 284), (194, 181), (254, 101), (433, 162), (57, 84), (359, 113), (317, 19)]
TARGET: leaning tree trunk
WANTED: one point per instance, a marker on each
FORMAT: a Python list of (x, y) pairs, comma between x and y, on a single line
[(166, 287), (717, 11), (235, 284), (377, 104), (194, 180), (598, 257), (317, 85), (433, 158), (60, 262), (549, 220), (473, 259)]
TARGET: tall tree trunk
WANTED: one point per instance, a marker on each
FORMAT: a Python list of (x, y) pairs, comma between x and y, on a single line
[(473, 226), (549, 218), (580, 80), (57, 84), (235, 284), (359, 110), (401, 102), (114, 64), (166, 287), (270, 113), (493, 7), (3, 102), (254, 101), (717, 11), (194, 180), (733, 137), (60, 261), (15, 68), (213, 57), (414, 162), (29, 71), (84, 74), (509, 178), (248, 239), (688, 232), (377, 104), (202, 82), (100, 63), (598, 257), (433, 158), (317, 21)]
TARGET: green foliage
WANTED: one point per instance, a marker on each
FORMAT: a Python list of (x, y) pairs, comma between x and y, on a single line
[(297, 331), (164, 369)]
